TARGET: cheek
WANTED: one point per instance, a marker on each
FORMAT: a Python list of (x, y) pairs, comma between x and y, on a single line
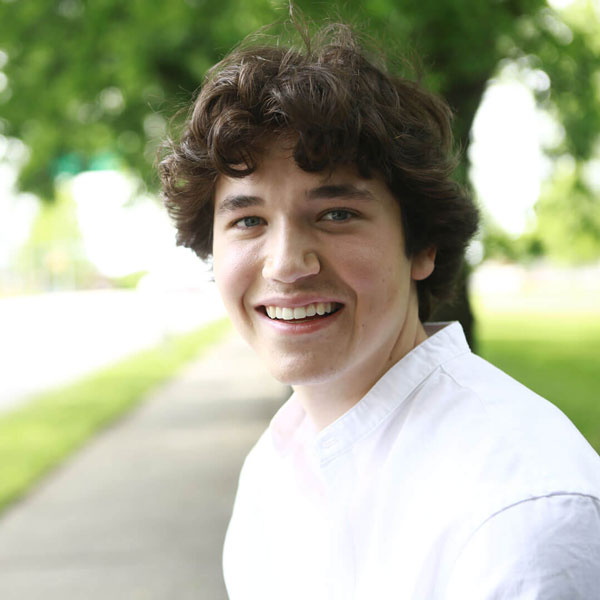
[(232, 267), (376, 272)]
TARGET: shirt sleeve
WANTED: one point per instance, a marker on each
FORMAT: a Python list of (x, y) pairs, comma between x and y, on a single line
[(546, 548)]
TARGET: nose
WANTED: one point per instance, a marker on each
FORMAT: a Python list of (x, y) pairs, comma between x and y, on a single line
[(290, 256)]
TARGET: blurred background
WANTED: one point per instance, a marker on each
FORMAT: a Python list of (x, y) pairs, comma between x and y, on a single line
[(89, 272)]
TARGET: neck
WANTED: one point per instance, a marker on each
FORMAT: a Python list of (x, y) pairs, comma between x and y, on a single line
[(325, 402)]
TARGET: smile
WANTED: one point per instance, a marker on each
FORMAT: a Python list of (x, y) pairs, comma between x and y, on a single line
[(300, 313)]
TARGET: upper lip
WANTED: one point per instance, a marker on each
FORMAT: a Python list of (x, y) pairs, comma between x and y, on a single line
[(295, 301)]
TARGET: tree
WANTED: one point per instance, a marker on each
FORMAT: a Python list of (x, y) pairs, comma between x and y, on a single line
[(85, 78), (89, 79)]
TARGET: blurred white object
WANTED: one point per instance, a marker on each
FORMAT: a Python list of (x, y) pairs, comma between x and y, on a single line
[(51, 339)]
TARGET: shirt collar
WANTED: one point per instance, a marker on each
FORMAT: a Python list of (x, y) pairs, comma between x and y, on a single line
[(290, 427)]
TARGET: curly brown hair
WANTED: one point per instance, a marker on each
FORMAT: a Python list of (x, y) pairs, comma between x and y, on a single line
[(341, 108)]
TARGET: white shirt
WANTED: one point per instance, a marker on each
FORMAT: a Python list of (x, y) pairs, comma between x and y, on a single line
[(447, 481)]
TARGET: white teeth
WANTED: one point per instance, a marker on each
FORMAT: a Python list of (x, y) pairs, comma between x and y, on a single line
[(299, 312)]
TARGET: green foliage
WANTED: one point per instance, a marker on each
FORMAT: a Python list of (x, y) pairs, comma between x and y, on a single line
[(37, 436), (96, 83), (86, 78), (566, 47), (569, 217), (567, 228), (500, 245)]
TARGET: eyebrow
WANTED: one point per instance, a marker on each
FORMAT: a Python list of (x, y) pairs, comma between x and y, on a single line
[(323, 192), (237, 202), (345, 190)]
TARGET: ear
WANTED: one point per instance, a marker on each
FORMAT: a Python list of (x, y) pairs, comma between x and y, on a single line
[(423, 264)]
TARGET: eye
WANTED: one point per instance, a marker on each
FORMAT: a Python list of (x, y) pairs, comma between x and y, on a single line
[(338, 214), (249, 222)]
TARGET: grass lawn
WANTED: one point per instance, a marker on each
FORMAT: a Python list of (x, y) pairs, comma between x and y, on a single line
[(555, 353), (38, 435)]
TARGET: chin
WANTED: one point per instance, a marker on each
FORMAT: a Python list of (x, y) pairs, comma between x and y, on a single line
[(301, 372)]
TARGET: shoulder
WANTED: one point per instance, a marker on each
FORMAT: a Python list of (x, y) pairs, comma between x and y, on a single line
[(491, 441), (547, 547), (526, 437)]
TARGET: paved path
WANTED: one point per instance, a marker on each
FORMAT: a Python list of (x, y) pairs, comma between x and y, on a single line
[(140, 513)]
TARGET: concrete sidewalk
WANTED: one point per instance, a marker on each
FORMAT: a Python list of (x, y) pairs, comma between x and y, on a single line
[(141, 511)]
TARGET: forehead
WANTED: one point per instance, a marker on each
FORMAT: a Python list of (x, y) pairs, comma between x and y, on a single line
[(278, 176)]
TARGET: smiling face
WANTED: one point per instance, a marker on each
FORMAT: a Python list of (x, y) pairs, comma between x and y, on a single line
[(313, 272)]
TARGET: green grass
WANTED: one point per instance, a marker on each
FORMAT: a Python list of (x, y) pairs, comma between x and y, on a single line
[(39, 435), (555, 353)]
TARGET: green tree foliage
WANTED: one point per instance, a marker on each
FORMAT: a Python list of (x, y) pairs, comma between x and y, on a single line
[(567, 228), (89, 77), (567, 49), (84, 77), (89, 82), (568, 216)]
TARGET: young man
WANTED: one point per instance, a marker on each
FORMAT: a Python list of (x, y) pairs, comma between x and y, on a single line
[(403, 466)]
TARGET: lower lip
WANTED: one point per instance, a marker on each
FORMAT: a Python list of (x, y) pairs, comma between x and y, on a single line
[(302, 327)]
